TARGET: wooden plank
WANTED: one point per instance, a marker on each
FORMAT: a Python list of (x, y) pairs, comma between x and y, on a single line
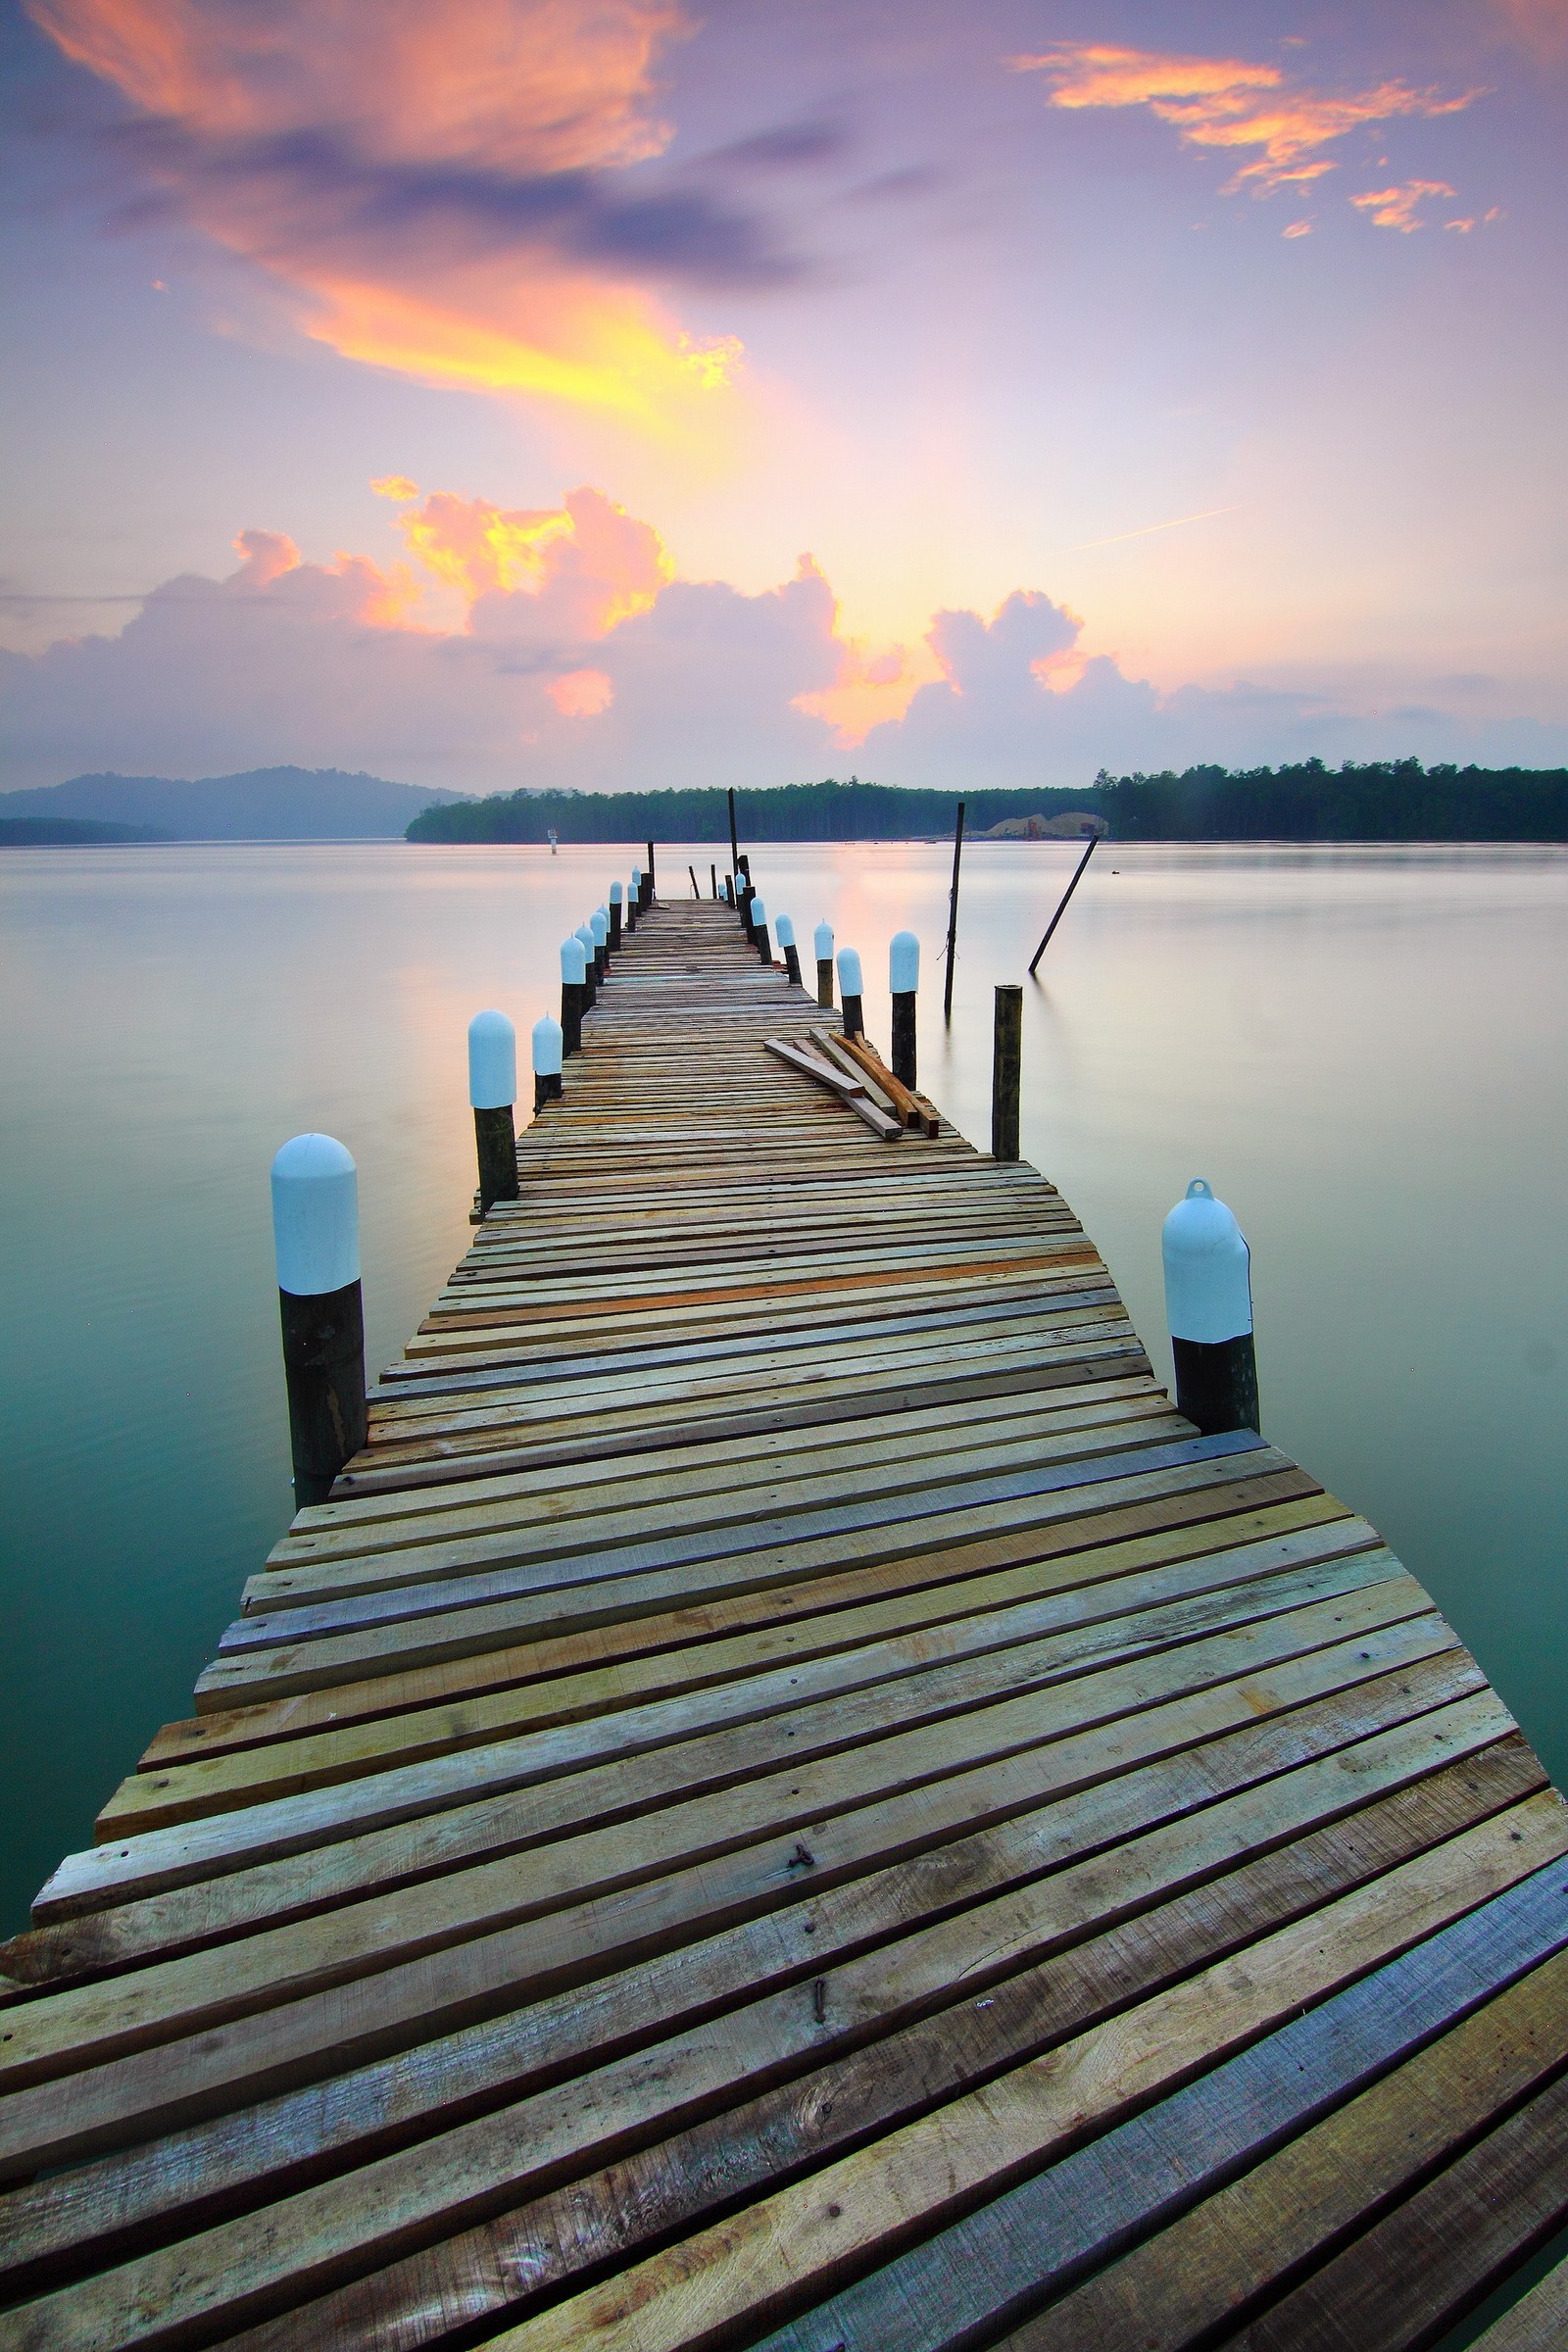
[(1473, 1928), (1539, 2323), (228, 2274), (1200, 2277)]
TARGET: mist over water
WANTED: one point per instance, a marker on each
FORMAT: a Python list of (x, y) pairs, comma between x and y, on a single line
[(1363, 1051)]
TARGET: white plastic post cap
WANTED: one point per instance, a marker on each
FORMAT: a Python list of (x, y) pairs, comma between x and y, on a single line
[(316, 1216), (573, 961), (585, 932), (824, 942), (904, 963), (492, 1061), (758, 911), (636, 876), (617, 894), (548, 1042), (599, 925), (1208, 1287), (784, 931), (849, 981)]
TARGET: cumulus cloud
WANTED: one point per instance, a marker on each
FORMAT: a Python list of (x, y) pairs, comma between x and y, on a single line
[(1230, 105), (442, 189), (582, 660)]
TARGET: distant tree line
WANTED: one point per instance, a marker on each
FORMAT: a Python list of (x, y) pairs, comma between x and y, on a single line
[(831, 811), (1379, 800)]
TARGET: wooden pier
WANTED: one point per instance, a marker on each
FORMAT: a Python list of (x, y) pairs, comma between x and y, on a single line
[(790, 1799)]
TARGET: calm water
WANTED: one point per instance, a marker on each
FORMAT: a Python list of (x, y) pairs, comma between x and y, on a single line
[(1363, 1051)]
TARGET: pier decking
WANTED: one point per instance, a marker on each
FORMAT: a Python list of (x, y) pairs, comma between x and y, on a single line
[(790, 1799)]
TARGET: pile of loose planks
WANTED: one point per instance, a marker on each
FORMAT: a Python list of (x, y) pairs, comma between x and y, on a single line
[(789, 1800)]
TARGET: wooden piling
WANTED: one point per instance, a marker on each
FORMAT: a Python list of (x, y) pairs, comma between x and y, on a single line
[(952, 918), (1007, 1068)]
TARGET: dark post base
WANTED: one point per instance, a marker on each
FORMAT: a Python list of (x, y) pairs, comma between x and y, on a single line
[(1006, 1060), (762, 942), (824, 982), (712, 876), (903, 1037), (546, 1089), (615, 926), (323, 1364), (854, 1018), (648, 879), (600, 959), (1216, 1383), (792, 964), (497, 1138), (570, 1017)]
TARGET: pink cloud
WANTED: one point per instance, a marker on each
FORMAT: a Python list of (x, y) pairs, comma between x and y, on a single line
[(1400, 206), (1230, 105)]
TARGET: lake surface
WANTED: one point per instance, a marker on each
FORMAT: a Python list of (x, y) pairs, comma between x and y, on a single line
[(1363, 1051)]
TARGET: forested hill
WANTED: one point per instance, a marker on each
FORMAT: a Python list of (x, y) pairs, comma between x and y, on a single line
[(1380, 800), (825, 812)]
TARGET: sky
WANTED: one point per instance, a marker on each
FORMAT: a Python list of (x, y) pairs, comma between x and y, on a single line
[(627, 392)]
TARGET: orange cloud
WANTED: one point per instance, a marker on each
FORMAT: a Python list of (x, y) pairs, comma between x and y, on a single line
[(1398, 208), (581, 693), (435, 185), (1228, 104), (869, 687), (586, 345), (595, 565)]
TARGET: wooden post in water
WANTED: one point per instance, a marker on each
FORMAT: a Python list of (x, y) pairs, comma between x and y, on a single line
[(692, 870), (1066, 896), (1006, 1065), (759, 939), (904, 980), (648, 879), (851, 991), (546, 1055), (1208, 1306), (573, 968), (824, 966), (492, 1091), (734, 837), (315, 1236), (712, 876), (784, 933), (614, 916), (599, 925), (634, 898), (952, 917)]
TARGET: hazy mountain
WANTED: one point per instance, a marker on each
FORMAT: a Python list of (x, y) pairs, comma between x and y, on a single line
[(268, 804)]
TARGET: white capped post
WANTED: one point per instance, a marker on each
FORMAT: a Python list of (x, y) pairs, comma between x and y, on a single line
[(316, 1239), (573, 972), (492, 1091), (784, 933), (548, 1045), (599, 925), (614, 916), (759, 938), (824, 965), (851, 991), (590, 977), (904, 979), (1208, 1307)]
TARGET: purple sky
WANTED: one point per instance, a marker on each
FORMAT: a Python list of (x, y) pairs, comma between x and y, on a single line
[(457, 392)]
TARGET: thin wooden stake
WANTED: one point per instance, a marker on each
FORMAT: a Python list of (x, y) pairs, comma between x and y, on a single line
[(952, 916), (1066, 896), (692, 870), (734, 839)]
